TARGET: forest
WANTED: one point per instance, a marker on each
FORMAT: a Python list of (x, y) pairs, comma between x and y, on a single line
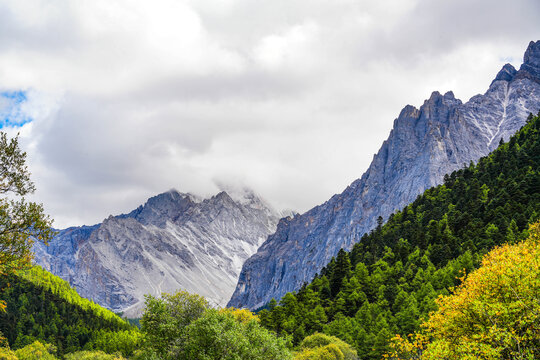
[(387, 285), (453, 275)]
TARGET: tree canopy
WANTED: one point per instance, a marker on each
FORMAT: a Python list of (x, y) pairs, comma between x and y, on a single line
[(20, 221), (183, 326), (493, 314)]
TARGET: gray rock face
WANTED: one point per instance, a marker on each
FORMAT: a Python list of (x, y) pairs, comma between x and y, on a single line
[(175, 241), (425, 144)]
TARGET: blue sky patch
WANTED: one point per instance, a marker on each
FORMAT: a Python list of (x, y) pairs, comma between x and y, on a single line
[(12, 112)]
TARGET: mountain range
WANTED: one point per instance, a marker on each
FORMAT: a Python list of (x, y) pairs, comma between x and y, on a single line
[(425, 144), (209, 246), (174, 241)]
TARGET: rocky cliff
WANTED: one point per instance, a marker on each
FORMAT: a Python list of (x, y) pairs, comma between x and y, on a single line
[(425, 144), (175, 241)]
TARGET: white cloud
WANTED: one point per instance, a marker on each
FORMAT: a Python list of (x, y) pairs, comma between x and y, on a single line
[(292, 98), (290, 48)]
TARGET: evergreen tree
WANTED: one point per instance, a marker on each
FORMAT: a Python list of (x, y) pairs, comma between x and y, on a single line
[(391, 278)]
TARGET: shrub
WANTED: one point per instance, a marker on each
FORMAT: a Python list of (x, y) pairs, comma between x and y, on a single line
[(321, 346)]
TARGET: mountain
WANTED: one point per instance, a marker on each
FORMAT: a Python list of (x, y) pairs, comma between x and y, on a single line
[(390, 280), (424, 145), (174, 241)]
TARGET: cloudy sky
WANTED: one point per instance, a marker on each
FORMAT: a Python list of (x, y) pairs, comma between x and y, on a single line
[(118, 100)]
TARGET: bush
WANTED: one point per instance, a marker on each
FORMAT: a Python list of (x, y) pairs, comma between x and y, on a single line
[(36, 351), (7, 354), (183, 326), (219, 335), (92, 355), (327, 352), (321, 346)]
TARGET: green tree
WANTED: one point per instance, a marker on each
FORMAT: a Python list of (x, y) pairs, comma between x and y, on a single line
[(327, 352), (125, 342), (221, 335), (165, 319), (341, 270), (20, 221)]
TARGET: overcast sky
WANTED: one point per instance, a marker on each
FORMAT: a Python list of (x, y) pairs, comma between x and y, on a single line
[(118, 100)]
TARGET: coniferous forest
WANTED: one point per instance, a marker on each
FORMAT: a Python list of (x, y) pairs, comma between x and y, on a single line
[(43, 307), (453, 275), (388, 283)]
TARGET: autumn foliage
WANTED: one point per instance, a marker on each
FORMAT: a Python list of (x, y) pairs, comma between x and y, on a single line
[(324, 347), (241, 315)]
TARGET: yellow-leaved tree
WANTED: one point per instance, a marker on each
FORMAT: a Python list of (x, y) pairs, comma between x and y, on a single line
[(241, 315), (324, 347), (493, 314)]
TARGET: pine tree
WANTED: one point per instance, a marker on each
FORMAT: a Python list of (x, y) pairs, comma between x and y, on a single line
[(341, 270)]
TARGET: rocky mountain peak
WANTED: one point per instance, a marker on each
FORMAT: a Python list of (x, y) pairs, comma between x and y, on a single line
[(223, 195), (434, 97), (165, 206), (222, 198), (438, 100), (507, 73), (449, 95), (532, 55), (530, 69), (241, 194), (435, 110), (408, 111)]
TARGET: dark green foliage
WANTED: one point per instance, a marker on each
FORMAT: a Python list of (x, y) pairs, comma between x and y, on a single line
[(135, 322), (340, 271), (41, 306), (387, 284)]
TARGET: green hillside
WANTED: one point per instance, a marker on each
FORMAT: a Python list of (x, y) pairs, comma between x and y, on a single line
[(41, 306), (388, 283)]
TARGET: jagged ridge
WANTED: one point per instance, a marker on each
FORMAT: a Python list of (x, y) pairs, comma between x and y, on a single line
[(424, 145), (175, 241)]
